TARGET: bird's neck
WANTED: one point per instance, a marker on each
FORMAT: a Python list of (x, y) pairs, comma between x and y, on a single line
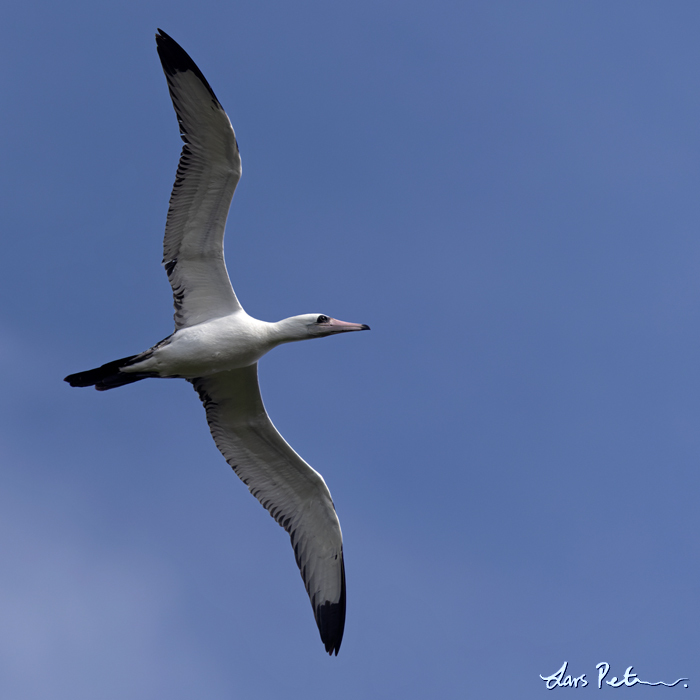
[(288, 330)]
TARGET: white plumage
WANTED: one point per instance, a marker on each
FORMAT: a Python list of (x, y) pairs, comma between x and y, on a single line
[(216, 344)]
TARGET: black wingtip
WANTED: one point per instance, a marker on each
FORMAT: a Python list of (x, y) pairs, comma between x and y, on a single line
[(330, 618), (175, 59)]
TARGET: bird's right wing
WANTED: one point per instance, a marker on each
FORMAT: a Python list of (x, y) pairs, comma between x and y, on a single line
[(295, 495), (207, 175)]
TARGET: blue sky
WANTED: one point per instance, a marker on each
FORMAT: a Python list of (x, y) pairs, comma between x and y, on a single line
[(507, 193)]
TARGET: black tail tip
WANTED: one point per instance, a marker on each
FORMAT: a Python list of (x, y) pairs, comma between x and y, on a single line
[(78, 380), (107, 376)]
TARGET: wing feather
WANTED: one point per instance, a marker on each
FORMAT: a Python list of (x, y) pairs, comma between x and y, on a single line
[(295, 495), (207, 175)]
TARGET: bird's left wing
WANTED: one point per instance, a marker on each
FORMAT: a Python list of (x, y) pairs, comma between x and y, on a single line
[(207, 175), (295, 495)]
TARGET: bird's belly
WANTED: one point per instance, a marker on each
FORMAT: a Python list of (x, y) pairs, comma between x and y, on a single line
[(201, 351), (201, 364)]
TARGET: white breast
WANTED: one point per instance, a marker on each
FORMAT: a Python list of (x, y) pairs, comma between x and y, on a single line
[(231, 342)]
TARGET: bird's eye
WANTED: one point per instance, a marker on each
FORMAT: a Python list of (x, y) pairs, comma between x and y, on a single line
[(322, 319)]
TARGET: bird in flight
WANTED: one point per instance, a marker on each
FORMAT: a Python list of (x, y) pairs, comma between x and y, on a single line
[(216, 345)]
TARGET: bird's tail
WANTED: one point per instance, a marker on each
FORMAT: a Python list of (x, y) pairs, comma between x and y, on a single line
[(108, 376)]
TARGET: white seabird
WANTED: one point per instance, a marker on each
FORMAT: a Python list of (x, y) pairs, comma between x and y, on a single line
[(216, 344)]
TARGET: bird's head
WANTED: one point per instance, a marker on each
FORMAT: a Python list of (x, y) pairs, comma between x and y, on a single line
[(309, 326)]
